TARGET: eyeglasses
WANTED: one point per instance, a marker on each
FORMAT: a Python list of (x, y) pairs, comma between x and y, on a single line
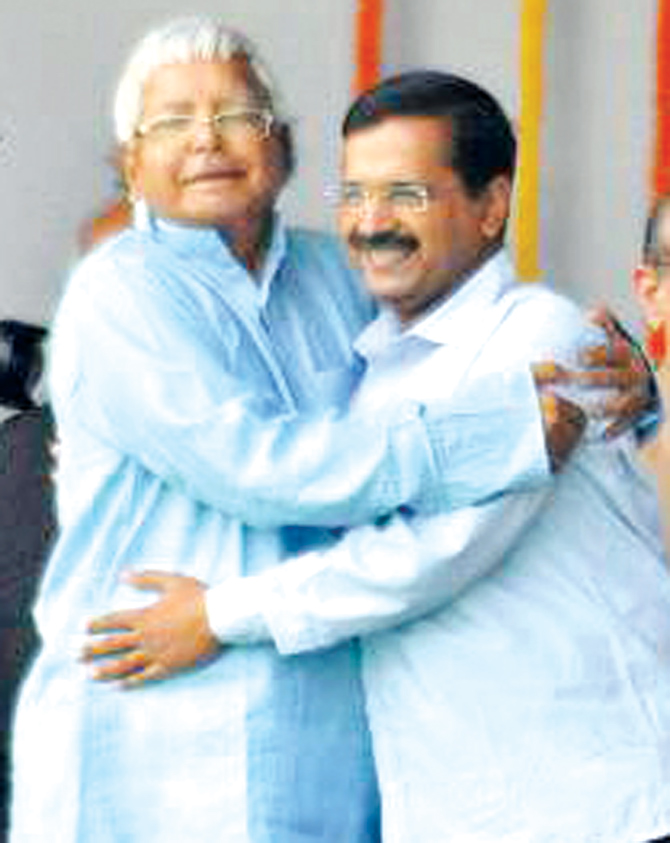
[(400, 196), (239, 122)]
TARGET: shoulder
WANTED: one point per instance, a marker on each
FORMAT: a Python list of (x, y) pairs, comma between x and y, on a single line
[(117, 287), (109, 263), (318, 246), (128, 246), (321, 261), (128, 267), (545, 322)]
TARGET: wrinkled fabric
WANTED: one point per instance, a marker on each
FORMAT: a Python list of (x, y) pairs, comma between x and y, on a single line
[(177, 381), (531, 701), (249, 748)]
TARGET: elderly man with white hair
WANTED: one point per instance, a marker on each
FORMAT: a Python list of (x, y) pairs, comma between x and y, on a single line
[(182, 353), (200, 371)]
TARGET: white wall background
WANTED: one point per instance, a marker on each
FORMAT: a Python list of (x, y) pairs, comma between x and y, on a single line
[(597, 143), (58, 65), (59, 62)]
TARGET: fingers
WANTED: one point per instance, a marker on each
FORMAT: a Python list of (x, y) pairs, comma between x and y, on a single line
[(130, 670), (622, 410), (153, 580), (114, 621), (150, 673), (624, 348), (129, 665), (109, 645), (167, 637), (144, 581), (623, 353), (601, 316), (121, 668), (610, 378), (618, 353), (548, 373), (564, 423)]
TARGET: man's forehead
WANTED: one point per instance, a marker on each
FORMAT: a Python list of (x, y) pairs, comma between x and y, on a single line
[(398, 146), (184, 81)]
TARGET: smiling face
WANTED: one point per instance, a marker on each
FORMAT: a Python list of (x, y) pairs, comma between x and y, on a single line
[(414, 253), (230, 178)]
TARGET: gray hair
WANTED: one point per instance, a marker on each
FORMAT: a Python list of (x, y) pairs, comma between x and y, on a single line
[(182, 41)]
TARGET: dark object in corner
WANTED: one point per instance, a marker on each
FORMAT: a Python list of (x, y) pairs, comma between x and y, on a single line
[(27, 524), (20, 362)]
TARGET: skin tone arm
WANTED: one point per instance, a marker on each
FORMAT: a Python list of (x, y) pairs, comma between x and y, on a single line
[(137, 646)]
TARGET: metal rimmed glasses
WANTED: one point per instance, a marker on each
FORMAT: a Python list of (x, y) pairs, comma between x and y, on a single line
[(399, 196), (234, 122)]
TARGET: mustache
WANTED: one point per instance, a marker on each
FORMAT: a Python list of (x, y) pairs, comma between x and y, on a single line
[(382, 240)]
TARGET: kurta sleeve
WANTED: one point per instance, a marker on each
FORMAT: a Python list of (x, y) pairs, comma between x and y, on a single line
[(375, 578), (383, 575), (136, 367)]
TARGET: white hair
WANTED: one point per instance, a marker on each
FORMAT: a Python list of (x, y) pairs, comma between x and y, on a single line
[(182, 41)]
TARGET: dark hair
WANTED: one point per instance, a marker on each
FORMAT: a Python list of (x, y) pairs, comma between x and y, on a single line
[(284, 134), (481, 140), (20, 362), (653, 251)]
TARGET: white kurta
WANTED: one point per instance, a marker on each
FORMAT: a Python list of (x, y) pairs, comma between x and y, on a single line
[(534, 705), (177, 383)]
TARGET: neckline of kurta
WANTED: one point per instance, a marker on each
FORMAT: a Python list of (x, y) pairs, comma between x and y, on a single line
[(458, 321), (205, 240)]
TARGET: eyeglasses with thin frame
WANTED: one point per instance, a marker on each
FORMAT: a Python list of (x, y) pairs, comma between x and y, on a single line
[(236, 122), (399, 196)]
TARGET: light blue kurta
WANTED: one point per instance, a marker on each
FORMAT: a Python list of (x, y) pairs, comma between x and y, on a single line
[(535, 707), (175, 381)]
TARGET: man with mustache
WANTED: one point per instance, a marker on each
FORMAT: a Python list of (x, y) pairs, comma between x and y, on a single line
[(529, 699), (200, 371)]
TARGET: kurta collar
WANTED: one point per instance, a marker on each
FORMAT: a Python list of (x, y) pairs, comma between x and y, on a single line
[(462, 320), (190, 239)]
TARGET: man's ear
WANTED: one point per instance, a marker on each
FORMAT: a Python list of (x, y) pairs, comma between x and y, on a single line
[(646, 286), (496, 208), (128, 168)]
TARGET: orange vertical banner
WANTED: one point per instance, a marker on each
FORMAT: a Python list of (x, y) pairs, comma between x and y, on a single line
[(661, 165), (368, 50), (527, 230)]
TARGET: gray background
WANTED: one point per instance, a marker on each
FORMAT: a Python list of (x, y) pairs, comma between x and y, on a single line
[(59, 61)]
